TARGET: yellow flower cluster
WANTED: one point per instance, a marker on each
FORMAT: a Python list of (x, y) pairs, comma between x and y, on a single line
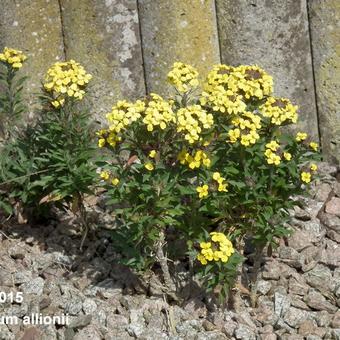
[(107, 137), (227, 88), (123, 114), (218, 249), (270, 153), (192, 120), (202, 191), (306, 176), (194, 161), (246, 125), (251, 81), (222, 100), (158, 113), (66, 79), (12, 57), (106, 176), (219, 75), (183, 77), (222, 186), (301, 136), (280, 110)]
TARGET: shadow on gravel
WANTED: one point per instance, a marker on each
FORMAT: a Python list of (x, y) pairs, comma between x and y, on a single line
[(52, 252)]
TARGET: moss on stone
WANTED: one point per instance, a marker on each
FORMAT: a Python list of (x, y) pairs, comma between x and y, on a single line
[(325, 29), (34, 27), (176, 30), (104, 37)]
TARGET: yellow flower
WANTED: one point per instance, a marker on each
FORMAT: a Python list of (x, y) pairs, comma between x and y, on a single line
[(234, 135), (301, 136), (287, 156), (314, 146), (216, 176), (219, 179), (55, 103), (222, 187), (105, 175), (272, 158), (149, 166), (194, 161), (314, 167), (115, 181), (12, 57), (306, 177), (101, 142), (218, 237), (273, 145), (202, 259), (205, 245), (152, 153), (208, 254), (206, 162), (202, 191)]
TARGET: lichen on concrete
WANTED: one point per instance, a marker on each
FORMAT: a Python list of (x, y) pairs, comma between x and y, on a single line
[(325, 31), (104, 36), (176, 30), (274, 35), (34, 27)]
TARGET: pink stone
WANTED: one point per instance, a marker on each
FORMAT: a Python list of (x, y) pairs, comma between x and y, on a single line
[(333, 206)]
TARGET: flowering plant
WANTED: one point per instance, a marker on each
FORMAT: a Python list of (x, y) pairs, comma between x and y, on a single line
[(11, 86), (50, 162), (211, 159)]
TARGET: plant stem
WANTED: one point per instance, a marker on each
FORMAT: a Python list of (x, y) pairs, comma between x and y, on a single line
[(256, 268), (83, 221), (164, 262)]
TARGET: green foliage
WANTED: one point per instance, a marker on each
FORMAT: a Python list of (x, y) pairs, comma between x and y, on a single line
[(11, 99), (51, 161)]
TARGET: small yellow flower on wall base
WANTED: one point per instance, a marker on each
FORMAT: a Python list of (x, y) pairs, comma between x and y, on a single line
[(202, 191), (306, 177), (314, 146), (314, 167), (149, 166), (105, 175), (301, 136)]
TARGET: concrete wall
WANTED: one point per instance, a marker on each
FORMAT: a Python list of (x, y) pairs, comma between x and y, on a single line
[(325, 33), (129, 46)]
